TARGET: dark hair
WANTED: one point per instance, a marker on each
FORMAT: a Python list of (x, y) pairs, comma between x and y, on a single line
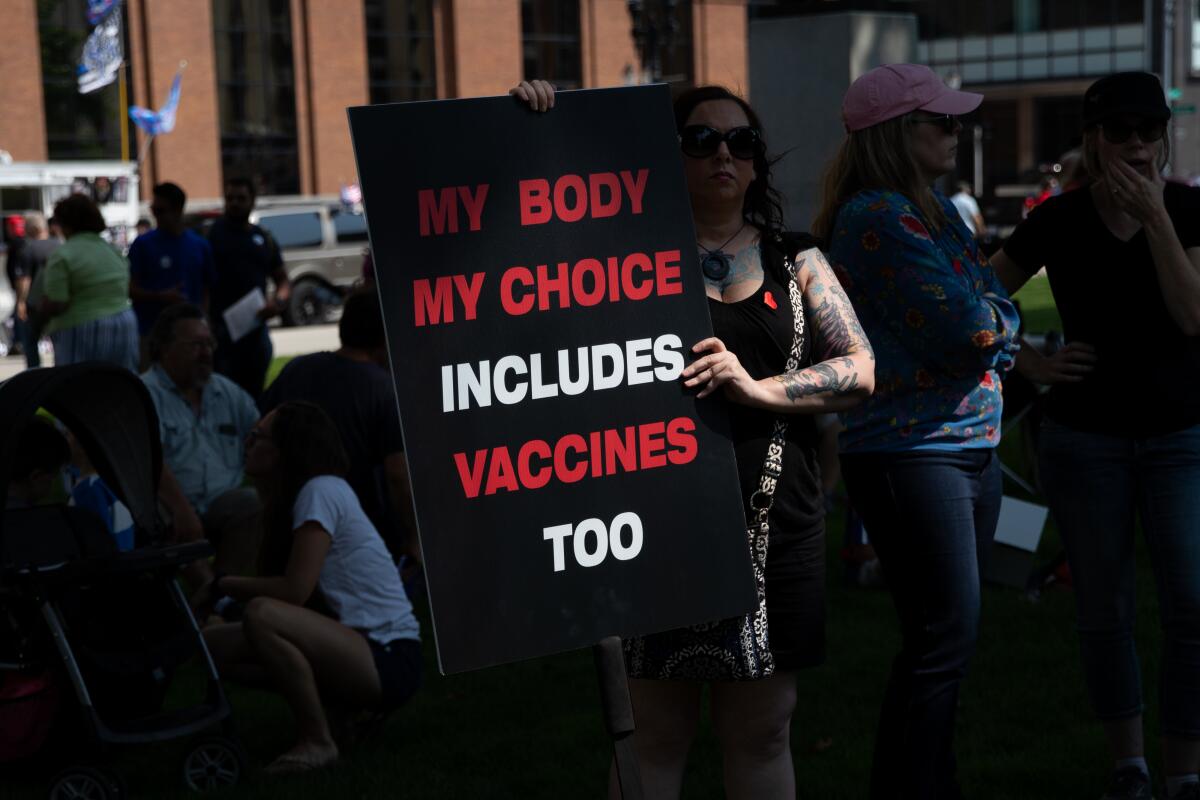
[(361, 325), (163, 332), (79, 213), (41, 447), (170, 192), (243, 182), (764, 204), (309, 445)]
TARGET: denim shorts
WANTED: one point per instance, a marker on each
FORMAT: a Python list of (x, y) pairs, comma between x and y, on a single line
[(399, 666)]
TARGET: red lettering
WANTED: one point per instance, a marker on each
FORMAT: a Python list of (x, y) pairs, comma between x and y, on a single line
[(635, 186), (431, 308), (614, 280), (437, 214), (470, 476), (561, 283), (576, 443), (600, 207), (501, 476), (595, 454), (650, 443), (535, 201), (642, 289), (588, 266), (575, 184), (680, 436), (513, 305), (618, 449), (473, 203), (469, 292), (525, 456), (666, 272)]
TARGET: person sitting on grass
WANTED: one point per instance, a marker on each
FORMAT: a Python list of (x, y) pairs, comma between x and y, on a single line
[(362, 649)]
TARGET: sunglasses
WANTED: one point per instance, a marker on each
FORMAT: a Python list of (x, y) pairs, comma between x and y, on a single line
[(701, 141), (1119, 131), (947, 122)]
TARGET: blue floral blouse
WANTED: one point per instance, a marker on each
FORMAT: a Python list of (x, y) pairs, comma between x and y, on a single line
[(943, 329)]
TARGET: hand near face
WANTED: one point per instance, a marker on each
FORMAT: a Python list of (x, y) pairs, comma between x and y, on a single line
[(1134, 193)]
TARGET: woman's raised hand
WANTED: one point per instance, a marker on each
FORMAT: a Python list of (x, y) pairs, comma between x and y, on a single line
[(1138, 196), (720, 369), (537, 93)]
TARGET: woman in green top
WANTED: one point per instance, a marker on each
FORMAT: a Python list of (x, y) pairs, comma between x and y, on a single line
[(86, 292)]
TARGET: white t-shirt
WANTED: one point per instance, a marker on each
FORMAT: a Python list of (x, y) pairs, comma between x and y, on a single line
[(360, 583), (968, 209)]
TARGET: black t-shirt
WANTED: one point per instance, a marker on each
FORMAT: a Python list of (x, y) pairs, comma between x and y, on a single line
[(34, 256), (359, 398), (759, 330), (1147, 376), (245, 258)]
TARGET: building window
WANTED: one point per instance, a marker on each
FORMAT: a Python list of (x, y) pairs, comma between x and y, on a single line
[(998, 41), (400, 54), (550, 42), (662, 33), (78, 126), (256, 92)]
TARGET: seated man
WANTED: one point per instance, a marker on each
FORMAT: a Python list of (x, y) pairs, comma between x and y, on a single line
[(352, 385), (203, 420)]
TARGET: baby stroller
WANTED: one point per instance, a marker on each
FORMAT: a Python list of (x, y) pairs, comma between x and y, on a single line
[(101, 630)]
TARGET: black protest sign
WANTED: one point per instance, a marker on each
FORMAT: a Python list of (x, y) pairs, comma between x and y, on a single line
[(541, 292)]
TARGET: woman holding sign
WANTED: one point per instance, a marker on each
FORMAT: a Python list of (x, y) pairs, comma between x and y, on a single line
[(787, 346)]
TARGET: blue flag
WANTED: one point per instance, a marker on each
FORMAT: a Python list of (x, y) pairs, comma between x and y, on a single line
[(103, 54), (163, 120), (98, 10)]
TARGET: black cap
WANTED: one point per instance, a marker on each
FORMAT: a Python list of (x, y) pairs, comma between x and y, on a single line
[(1125, 93)]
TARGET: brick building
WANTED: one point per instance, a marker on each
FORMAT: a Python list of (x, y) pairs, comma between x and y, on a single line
[(267, 82)]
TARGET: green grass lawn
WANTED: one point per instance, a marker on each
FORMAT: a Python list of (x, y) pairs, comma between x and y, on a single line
[(533, 730), (1037, 306)]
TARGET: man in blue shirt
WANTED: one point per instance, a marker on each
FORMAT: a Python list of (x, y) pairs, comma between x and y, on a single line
[(169, 264)]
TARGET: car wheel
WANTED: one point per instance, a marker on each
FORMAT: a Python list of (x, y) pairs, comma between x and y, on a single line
[(310, 303)]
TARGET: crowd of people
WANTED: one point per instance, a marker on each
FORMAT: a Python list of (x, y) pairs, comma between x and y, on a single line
[(911, 344), (886, 314)]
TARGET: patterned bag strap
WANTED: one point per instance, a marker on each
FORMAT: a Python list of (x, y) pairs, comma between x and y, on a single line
[(764, 496)]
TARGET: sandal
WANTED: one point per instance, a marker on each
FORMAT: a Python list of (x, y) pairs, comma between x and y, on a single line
[(294, 763)]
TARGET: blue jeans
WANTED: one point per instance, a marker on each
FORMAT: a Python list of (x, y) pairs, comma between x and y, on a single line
[(1096, 484), (931, 517)]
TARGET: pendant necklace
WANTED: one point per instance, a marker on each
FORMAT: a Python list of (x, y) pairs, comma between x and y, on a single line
[(715, 264)]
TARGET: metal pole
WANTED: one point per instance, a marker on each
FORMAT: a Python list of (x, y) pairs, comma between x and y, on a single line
[(618, 714), (977, 158)]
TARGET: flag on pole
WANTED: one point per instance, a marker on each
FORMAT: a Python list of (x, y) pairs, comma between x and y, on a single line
[(161, 121), (98, 10), (103, 53)]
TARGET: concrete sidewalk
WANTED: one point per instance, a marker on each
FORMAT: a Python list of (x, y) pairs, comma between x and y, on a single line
[(287, 342)]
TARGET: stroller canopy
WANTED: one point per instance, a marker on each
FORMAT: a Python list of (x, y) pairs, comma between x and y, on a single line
[(111, 414)]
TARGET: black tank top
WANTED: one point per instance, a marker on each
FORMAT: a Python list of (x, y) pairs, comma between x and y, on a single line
[(759, 330)]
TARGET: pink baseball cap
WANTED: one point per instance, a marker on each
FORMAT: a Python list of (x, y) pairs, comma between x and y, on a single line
[(892, 90)]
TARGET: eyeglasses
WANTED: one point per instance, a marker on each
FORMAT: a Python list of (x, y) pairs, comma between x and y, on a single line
[(1119, 131), (701, 141), (947, 122), (196, 345)]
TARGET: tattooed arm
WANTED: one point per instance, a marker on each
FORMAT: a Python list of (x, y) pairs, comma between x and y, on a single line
[(843, 377), (843, 372)]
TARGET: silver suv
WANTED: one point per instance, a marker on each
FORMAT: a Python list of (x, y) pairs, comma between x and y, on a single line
[(323, 250)]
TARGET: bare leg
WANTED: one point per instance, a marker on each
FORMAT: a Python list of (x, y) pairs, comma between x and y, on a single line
[(232, 654), (1125, 738), (667, 714), (302, 649), (753, 720)]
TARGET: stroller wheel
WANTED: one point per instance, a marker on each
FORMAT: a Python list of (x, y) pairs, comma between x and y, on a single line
[(214, 763), (87, 783)]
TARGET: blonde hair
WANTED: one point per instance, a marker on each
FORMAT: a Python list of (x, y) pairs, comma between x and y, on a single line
[(1091, 151), (878, 157)]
